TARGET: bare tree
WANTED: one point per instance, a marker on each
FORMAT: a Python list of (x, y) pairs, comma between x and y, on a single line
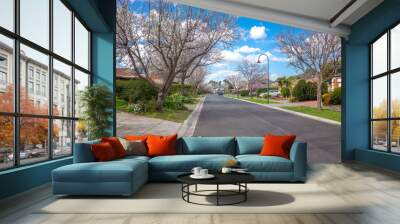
[(197, 78), (317, 53), (236, 81), (251, 72), (169, 40)]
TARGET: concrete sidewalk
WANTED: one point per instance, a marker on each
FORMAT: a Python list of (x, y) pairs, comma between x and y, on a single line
[(131, 124)]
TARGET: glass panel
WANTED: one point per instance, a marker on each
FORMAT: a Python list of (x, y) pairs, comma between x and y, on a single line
[(395, 47), (34, 97), (7, 14), (6, 142), (6, 74), (379, 98), (62, 29), (81, 45), (395, 94), (379, 56), (35, 21), (379, 135), (33, 139), (81, 131), (81, 82), (62, 138), (62, 89), (395, 136)]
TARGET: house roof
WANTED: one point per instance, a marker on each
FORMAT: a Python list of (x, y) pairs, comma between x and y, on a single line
[(126, 73), (331, 16)]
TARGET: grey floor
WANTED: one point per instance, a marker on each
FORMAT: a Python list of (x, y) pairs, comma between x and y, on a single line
[(377, 190), (223, 116)]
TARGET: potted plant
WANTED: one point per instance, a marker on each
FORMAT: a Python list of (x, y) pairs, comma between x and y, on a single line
[(96, 104)]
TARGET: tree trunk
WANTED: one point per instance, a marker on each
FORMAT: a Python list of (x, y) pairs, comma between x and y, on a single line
[(160, 100), (183, 79), (319, 93)]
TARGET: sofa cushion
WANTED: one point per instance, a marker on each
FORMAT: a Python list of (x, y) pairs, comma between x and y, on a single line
[(249, 145), (257, 163), (185, 163), (277, 145), (103, 152), (83, 152), (116, 145), (207, 145), (134, 147), (159, 145), (112, 171)]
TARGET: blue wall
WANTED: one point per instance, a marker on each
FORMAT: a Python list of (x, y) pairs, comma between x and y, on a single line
[(355, 127), (99, 15)]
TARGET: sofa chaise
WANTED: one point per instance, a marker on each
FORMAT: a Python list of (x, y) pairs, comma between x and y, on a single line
[(125, 176)]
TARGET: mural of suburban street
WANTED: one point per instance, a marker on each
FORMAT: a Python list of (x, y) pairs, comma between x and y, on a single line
[(241, 77)]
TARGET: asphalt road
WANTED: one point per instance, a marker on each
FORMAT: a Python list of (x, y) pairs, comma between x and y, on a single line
[(223, 116)]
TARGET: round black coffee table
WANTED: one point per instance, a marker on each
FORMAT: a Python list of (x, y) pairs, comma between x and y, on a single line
[(238, 179)]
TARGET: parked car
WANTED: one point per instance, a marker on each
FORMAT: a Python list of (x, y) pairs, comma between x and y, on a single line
[(274, 93)]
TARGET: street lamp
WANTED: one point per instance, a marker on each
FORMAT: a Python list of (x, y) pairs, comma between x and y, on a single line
[(258, 61)]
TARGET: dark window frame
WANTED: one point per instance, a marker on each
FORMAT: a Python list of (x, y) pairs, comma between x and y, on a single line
[(16, 114), (388, 74)]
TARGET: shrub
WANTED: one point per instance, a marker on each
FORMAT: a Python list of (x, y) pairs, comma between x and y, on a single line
[(327, 99), (151, 105), (135, 107), (261, 91), (265, 95), (285, 92), (244, 92), (175, 102), (337, 96), (186, 90), (135, 90), (305, 90)]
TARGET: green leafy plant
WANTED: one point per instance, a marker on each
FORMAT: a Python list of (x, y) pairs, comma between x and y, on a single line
[(244, 92), (175, 102), (285, 92), (337, 96), (135, 90), (96, 102)]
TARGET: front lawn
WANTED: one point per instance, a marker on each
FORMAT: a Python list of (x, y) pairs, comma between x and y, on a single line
[(175, 115), (178, 116), (324, 113), (254, 99)]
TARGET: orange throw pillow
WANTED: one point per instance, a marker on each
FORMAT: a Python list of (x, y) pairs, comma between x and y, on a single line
[(103, 152), (275, 145), (161, 145), (116, 145), (136, 137)]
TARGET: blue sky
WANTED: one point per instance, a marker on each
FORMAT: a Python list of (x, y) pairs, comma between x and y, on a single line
[(256, 37)]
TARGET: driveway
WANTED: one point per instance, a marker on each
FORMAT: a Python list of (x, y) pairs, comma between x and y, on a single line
[(223, 116)]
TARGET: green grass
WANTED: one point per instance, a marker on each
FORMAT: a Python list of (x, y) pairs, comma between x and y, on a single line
[(254, 99), (167, 114), (120, 104), (324, 113)]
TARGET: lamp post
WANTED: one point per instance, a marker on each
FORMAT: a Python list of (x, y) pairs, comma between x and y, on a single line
[(258, 61)]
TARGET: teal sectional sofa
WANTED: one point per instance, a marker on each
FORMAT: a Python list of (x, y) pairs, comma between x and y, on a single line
[(125, 176)]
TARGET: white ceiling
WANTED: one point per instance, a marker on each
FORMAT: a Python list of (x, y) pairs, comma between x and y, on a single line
[(314, 15)]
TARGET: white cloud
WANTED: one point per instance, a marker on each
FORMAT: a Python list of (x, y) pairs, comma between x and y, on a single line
[(231, 56), (273, 57), (258, 32), (219, 65), (220, 75), (247, 50)]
